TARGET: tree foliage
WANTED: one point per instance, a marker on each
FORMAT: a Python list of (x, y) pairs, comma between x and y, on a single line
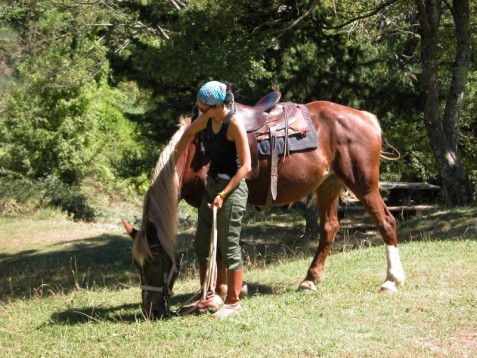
[(94, 89), (61, 116)]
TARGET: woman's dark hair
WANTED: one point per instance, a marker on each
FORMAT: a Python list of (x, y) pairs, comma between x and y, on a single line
[(229, 96)]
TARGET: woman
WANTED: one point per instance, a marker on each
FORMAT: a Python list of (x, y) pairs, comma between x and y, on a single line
[(226, 189)]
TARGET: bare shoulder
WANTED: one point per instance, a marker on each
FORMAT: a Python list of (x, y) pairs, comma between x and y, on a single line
[(237, 123)]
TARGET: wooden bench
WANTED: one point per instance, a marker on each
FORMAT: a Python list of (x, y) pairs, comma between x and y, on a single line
[(402, 201)]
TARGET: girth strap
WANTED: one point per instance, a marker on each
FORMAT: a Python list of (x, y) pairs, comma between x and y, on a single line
[(274, 164), (272, 193)]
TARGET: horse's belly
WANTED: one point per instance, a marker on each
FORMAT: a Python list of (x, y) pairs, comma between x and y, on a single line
[(296, 179)]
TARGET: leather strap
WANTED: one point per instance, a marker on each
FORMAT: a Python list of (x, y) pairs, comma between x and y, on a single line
[(272, 192), (274, 164)]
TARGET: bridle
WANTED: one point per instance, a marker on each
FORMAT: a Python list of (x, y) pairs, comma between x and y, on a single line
[(168, 277)]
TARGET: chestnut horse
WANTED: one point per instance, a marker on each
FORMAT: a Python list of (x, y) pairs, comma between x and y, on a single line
[(348, 155)]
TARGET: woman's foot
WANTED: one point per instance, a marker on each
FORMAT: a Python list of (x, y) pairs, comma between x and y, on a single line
[(210, 304), (228, 310)]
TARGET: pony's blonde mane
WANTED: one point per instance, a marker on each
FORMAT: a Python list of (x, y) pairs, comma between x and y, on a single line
[(160, 204)]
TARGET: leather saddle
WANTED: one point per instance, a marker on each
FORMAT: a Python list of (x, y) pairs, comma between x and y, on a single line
[(253, 117), (267, 113), (265, 120)]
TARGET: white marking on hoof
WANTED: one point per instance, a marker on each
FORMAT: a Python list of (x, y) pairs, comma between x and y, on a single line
[(395, 272), (389, 287), (307, 286)]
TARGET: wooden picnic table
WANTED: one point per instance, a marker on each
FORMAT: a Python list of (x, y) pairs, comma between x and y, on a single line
[(404, 199)]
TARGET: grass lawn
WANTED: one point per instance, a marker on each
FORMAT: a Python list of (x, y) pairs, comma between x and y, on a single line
[(70, 289)]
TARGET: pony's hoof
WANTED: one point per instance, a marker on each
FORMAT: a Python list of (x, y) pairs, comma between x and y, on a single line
[(244, 290), (307, 286), (388, 287)]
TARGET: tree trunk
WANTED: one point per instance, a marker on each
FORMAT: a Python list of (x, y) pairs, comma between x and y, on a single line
[(455, 97), (456, 186)]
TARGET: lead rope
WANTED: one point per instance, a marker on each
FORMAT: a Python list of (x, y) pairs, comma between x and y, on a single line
[(211, 265), (210, 276)]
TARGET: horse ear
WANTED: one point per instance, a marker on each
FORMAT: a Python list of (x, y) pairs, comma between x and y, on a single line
[(129, 229)]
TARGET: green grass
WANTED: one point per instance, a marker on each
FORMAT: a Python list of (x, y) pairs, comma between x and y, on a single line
[(92, 309)]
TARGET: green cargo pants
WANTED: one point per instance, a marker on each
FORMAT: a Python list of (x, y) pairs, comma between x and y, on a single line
[(229, 223)]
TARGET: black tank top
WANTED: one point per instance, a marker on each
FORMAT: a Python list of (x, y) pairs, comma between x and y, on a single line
[(223, 153)]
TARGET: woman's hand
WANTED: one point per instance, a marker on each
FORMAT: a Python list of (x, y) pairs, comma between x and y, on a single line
[(218, 201)]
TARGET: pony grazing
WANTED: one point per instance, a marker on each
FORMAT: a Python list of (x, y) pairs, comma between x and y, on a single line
[(347, 153)]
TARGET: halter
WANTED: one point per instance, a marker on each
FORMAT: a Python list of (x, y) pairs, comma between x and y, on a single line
[(167, 279), (167, 283)]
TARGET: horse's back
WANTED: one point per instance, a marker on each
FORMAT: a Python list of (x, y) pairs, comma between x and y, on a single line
[(345, 124)]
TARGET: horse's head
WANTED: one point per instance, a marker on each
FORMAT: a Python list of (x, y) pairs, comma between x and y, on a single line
[(157, 271)]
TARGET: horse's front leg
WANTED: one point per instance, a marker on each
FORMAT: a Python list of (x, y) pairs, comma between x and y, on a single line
[(395, 272), (327, 202)]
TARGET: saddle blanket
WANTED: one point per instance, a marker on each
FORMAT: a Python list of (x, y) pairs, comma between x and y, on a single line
[(297, 142)]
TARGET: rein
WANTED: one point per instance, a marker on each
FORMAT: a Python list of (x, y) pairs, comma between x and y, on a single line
[(211, 265)]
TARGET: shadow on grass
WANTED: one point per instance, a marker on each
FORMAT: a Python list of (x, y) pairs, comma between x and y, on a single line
[(127, 313), (103, 261), (98, 262), (444, 225)]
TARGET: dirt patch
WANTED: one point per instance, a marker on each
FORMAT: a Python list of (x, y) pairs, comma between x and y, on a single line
[(464, 342)]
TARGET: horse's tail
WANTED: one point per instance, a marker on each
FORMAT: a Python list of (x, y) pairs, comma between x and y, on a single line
[(394, 155), (373, 119), (347, 196)]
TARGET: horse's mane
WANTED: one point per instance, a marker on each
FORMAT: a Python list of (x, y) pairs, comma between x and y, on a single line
[(160, 204)]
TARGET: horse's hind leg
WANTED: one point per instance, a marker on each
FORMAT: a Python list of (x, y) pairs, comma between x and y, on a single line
[(386, 224), (327, 202)]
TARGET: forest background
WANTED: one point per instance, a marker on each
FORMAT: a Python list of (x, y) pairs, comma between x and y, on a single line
[(91, 91)]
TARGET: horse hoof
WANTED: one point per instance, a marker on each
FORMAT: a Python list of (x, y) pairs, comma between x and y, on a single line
[(388, 287), (244, 290), (307, 286)]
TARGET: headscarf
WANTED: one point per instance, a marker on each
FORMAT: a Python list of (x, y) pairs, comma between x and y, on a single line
[(212, 93)]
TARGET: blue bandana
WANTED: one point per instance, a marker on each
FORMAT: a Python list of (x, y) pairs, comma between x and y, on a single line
[(212, 93)]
